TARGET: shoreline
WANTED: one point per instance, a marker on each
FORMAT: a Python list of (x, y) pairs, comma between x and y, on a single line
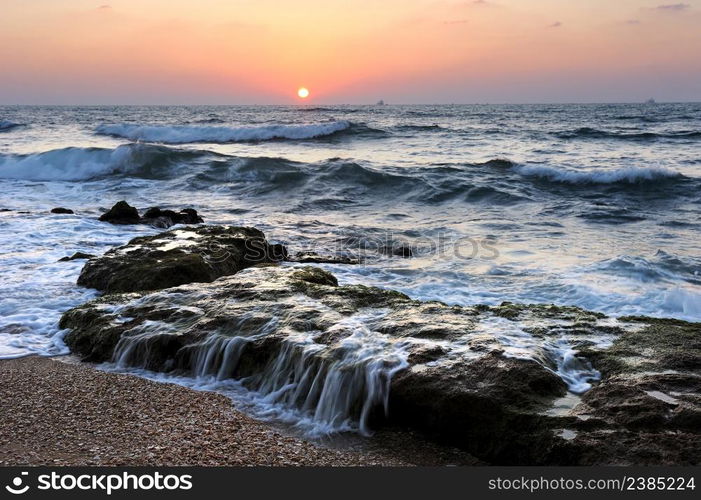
[(54, 412)]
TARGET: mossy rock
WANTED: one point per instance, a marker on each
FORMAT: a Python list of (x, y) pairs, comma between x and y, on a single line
[(199, 254)]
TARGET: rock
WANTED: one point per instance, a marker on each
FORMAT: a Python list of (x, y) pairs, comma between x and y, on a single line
[(490, 406), (165, 218), (61, 210), (647, 408), (199, 254), (397, 251), (77, 256), (278, 252), (315, 258), (14, 329), (482, 378), (121, 213)]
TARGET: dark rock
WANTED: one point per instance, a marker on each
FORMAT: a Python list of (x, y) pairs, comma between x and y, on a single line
[(61, 210), (156, 217), (76, 256), (199, 254), (121, 213), (278, 252), (397, 251), (489, 406)]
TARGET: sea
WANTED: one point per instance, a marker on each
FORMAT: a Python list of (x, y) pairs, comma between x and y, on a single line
[(591, 205)]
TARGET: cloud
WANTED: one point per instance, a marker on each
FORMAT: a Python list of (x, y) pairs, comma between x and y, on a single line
[(673, 7), (631, 22), (556, 24), (456, 21)]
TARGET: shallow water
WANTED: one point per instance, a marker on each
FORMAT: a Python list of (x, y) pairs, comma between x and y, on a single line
[(589, 205)]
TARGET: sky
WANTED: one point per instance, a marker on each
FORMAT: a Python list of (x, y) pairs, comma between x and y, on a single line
[(359, 51)]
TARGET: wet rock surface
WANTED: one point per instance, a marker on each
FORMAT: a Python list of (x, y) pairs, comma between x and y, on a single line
[(77, 256), (484, 378), (404, 251), (197, 254), (123, 213), (343, 357), (165, 218), (315, 258), (647, 407), (61, 210)]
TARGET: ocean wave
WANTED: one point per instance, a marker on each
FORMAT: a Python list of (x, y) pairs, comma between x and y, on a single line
[(344, 181), (6, 126), (183, 134), (662, 267), (209, 120), (654, 118), (74, 164), (419, 128), (630, 175), (593, 133)]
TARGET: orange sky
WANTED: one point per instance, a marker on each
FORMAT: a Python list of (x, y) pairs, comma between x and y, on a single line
[(423, 51)]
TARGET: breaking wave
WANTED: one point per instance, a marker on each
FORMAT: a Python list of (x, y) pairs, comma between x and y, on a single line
[(6, 126), (493, 182), (75, 164), (183, 134), (631, 175)]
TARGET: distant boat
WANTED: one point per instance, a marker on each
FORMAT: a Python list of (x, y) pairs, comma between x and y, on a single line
[(380, 102), (651, 101)]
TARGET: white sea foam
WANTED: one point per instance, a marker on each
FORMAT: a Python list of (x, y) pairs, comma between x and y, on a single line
[(36, 288), (182, 134), (630, 175)]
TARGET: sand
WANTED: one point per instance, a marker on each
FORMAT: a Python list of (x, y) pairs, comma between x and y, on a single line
[(54, 412)]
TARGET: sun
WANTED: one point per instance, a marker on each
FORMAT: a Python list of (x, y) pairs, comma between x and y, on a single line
[(303, 92)]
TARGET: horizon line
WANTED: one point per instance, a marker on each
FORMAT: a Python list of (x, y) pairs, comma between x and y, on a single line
[(303, 105)]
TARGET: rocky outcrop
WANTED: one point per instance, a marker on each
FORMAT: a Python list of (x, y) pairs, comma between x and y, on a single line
[(61, 210), (198, 254), (338, 354), (647, 407), (511, 384), (491, 380), (123, 213)]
